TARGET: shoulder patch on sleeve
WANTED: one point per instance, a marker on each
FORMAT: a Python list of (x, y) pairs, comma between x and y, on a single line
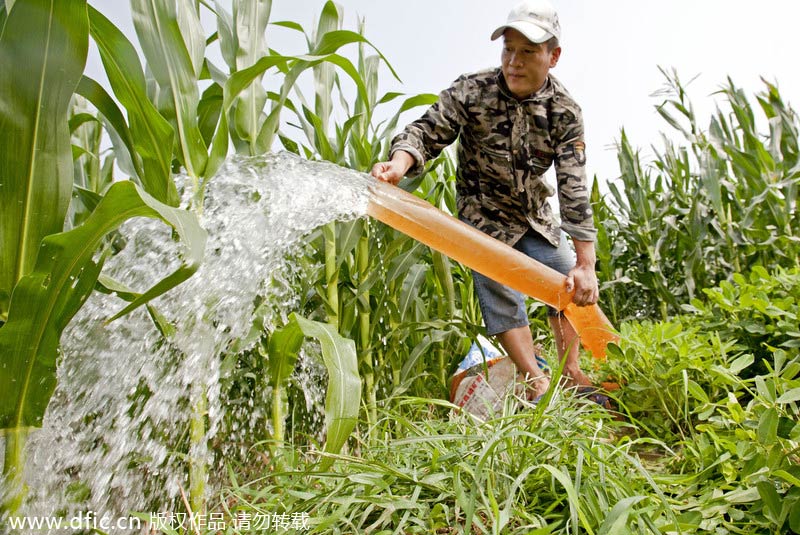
[(579, 151)]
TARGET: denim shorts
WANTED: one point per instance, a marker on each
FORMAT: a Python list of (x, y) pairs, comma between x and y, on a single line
[(504, 308)]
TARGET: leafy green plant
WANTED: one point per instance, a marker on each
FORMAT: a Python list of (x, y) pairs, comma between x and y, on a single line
[(36, 157), (37, 175), (728, 426), (661, 365), (352, 290), (710, 441), (344, 385), (143, 145), (173, 44), (720, 203), (739, 471), (759, 310)]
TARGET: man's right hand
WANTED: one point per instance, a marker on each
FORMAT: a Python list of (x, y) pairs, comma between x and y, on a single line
[(394, 170)]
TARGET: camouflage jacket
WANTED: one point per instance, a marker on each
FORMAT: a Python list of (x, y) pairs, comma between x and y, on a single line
[(505, 146)]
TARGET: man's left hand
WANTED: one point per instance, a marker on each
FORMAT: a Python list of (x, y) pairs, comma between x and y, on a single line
[(583, 280)]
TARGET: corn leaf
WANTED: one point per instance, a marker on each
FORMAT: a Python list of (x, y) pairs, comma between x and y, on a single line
[(44, 301), (401, 262), (79, 119), (290, 24), (227, 38), (334, 40), (86, 132), (219, 147), (239, 81), (192, 33), (44, 45), (97, 95), (425, 99), (208, 111), (322, 51), (284, 346), (410, 292), (152, 134), (172, 62), (350, 232), (422, 348), (250, 24), (344, 384), (324, 73), (444, 273)]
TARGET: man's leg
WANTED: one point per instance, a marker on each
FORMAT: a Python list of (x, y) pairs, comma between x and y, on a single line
[(506, 317), (562, 259), (518, 343), (568, 344)]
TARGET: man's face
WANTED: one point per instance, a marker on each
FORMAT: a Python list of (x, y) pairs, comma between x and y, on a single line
[(525, 64)]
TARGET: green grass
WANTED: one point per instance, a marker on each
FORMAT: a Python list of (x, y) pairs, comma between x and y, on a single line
[(425, 469), (704, 441)]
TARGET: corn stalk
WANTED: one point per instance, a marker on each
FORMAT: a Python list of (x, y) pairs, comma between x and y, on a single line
[(173, 43), (364, 328)]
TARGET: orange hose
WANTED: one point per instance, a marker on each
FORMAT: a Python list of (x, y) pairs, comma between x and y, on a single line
[(424, 222)]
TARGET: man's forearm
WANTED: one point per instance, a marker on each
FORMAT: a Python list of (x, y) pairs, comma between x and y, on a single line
[(403, 158), (585, 254)]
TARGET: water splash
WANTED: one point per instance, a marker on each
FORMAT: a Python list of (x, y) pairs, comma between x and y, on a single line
[(123, 402)]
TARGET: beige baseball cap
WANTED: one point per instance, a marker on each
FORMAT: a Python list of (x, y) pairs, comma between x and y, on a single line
[(535, 19)]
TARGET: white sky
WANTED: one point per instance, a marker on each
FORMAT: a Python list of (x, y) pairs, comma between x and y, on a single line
[(611, 52)]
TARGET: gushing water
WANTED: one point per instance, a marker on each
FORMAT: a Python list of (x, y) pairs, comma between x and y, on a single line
[(115, 436)]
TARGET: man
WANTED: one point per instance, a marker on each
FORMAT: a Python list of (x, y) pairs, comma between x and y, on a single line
[(512, 124)]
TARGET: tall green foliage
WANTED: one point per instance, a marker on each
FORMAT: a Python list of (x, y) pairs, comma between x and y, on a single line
[(723, 202), (146, 140), (44, 44), (720, 203), (172, 41), (46, 299), (3, 14)]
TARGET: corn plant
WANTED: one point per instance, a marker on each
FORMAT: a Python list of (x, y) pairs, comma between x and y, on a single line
[(349, 294), (47, 274), (325, 63), (343, 396), (242, 39), (156, 121), (720, 204), (94, 170), (173, 44), (233, 105)]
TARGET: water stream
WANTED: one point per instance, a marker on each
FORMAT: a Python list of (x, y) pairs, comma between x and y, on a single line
[(112, 436)]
